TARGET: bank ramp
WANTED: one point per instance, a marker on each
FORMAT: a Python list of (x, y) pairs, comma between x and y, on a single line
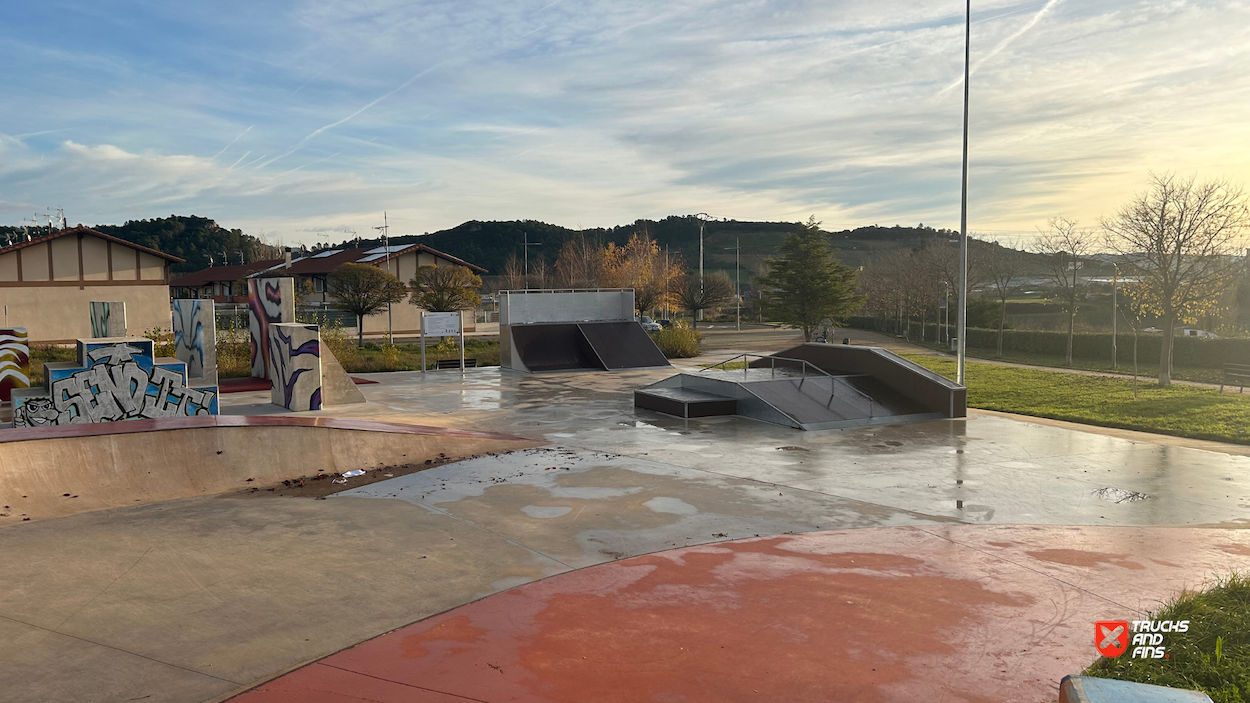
[(809, 390), (583, 346)]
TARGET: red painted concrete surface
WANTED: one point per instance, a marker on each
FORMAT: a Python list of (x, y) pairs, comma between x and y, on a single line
[(957, 613)]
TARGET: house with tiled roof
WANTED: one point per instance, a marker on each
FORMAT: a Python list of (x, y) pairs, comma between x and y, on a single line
[(47, 282), (223, 284), (401, 260)]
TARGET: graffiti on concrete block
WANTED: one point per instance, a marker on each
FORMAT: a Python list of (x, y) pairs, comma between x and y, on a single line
[(35, 412), (14, 361), (108, 319), (295, 361), (270, 301), (195, 337), (114, 382)]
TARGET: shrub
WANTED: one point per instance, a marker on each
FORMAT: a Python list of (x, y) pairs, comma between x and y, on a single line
[(678, 341)]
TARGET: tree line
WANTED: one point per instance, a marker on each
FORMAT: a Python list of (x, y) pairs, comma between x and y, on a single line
[(1176, 248)]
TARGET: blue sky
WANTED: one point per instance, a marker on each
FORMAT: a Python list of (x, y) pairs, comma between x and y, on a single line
[(302, 120)]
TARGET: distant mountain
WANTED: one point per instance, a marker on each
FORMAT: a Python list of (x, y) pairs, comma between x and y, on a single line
[(489, 244)]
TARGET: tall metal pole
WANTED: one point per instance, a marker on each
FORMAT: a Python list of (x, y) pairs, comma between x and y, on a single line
[(737, 247), (961, 319), (1115, 312)]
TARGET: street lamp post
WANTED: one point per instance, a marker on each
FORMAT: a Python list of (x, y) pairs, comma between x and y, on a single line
[(1115, 312), (698, 314), (737, 247), (961, 318)]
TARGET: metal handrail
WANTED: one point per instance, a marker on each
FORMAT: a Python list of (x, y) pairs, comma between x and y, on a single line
[(533, 291), (833, 380)]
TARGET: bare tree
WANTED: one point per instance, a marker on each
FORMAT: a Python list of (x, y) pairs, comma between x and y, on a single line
[(579, 264), (1001, 266), (715, 290), (1178, 238), (513, 273), (1066, 247)]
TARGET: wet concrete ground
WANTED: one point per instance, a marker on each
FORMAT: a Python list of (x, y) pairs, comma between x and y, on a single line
[(942, 613), (195, 599)]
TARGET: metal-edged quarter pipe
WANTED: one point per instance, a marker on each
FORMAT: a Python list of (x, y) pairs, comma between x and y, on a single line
[(58, 471)]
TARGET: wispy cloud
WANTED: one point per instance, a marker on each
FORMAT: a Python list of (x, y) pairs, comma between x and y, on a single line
[(601, 112), (232, 141), (1003, 44), (300, 144)]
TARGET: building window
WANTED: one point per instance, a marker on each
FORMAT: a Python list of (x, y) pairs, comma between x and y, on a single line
[(319, 285)]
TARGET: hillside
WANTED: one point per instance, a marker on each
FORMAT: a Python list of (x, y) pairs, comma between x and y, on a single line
[(489, 244)]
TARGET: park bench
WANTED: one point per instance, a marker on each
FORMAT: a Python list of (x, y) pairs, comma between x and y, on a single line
[(455, 363), (1236, 375)]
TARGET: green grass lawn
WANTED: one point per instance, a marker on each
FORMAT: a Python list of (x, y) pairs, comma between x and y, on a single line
[(1213, 656), (1144, 370), (1184, 411)]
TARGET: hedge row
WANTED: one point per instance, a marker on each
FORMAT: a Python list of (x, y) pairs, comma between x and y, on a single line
[(1190, 351)]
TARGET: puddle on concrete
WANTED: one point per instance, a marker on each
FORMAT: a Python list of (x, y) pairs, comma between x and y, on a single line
[(1119, 495), (638, 424), (546, 511), (793, 449), (672, 506)]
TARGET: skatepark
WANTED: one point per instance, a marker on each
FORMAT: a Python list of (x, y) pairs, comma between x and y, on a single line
[(522, 536)]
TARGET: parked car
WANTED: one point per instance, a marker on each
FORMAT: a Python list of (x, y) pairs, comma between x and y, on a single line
[(665, 323), (648, 324)]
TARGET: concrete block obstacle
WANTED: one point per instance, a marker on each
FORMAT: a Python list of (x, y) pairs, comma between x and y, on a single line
[(113, 379), (195, 338), (295, 366), (1089, 689), (270, 301)]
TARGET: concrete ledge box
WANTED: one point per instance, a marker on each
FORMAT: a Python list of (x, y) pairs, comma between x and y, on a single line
[(1089, 689)]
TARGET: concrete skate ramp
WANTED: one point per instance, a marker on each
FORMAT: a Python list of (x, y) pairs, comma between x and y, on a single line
[(623, 345), (578, 346), (905, 384), (554, 347), (111, 465)]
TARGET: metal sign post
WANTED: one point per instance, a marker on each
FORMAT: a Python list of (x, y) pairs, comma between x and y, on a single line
[(443, 324), (461, 342), (422, 341)]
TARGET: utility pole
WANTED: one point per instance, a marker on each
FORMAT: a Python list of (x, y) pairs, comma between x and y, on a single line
[(961, 319), (737, 247), (526, 244), (386, 246)]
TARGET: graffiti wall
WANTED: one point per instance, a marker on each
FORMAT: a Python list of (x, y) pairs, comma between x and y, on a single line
[(116, 380), (270, 301), (107, 319), (295, 366), (195, 337), (14, 361)]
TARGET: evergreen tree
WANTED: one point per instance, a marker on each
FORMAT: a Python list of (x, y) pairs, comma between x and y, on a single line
[(808, 284)]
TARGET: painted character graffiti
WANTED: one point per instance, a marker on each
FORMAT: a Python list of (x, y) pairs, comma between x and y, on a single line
[(35, 412)]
